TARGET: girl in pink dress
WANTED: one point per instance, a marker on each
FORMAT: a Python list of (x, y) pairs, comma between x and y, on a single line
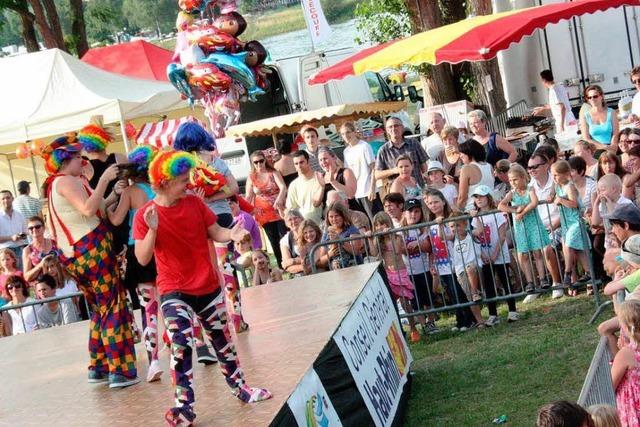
[(625, 372)]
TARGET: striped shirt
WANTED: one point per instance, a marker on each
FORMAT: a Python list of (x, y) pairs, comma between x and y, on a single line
[(28, 206), (388, 153)]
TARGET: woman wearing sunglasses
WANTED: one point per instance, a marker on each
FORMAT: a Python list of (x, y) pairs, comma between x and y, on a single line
[(266, 190), (19, 320), (599, 124), (37, 250)]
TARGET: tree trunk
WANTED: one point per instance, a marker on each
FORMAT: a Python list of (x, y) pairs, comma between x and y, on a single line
[(54, 22), (78, 28), (437, 80), (491, 95), (48, 38), (29, 32)]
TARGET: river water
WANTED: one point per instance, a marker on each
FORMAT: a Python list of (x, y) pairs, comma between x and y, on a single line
[(299, 43)]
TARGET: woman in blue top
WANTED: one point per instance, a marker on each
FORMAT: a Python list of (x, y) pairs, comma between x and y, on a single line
[(138, 277), (599, 124)]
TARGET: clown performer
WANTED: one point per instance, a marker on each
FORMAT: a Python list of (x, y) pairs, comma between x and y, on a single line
[(77, 223), (137, 277), (193, 138), (175, 227)]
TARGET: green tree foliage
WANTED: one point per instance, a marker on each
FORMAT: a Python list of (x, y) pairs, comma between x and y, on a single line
[(151, 14), (382, 20)]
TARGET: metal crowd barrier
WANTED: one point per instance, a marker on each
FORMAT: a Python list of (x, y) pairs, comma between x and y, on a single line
[(506, 280), (598, 387), (39, 302)]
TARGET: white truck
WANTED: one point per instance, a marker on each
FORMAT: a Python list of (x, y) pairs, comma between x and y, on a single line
[(591, 49), (290, 92)]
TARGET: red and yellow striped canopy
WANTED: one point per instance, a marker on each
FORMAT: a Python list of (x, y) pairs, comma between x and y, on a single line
[(474, 39)]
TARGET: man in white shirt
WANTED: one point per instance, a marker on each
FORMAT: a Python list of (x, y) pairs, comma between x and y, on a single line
[(559, 104), (635, 105), (302, 189), (358, 156), (13, 227), (433, 143)]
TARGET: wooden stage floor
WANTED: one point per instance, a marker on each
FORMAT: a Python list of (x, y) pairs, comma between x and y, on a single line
[(44, 376)]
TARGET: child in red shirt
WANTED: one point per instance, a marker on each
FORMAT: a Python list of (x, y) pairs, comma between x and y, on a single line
[(175, 227)]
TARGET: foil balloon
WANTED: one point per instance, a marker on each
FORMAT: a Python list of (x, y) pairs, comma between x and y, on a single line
[(191, 55), (207, 78), (227, 6), (234, 65), (178, 78), (184, 20), (22, 151), (207, 179), (37, 146), (210, 39), (130, 130), (224, 111), (190, 5)]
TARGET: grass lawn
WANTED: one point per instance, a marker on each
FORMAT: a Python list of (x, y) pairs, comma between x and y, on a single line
[(468, 379)]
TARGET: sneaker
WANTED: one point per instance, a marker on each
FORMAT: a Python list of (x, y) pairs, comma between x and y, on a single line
[(529, 298), (205, 356), (491, 321), (96, 377), (414, 337), (464, 329), (120, 381), (513, 316), (530, 288), (455, 329), (430, 328), (179, 417), (544, 283), (557, 293), (155, 372)]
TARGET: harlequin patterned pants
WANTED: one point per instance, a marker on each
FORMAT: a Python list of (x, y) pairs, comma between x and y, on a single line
[(148, 295), (179, 311), (111, 347)]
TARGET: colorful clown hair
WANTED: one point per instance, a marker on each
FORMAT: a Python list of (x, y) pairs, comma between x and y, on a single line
[(94, 138), (61, 149), (192, 137), (142, 156), (168, 165)]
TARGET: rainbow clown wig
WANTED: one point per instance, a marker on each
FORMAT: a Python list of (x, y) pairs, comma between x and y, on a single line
[(141, 156), (192, 137), (61, 149), (94, 138), (168, 165)]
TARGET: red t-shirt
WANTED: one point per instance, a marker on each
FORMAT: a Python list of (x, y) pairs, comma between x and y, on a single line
[(181, 251)]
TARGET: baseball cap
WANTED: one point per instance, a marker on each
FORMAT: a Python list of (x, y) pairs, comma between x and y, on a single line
[(482, 190), (631, 249), (434, 165), (412, 203), (23, 185), (625, 213)]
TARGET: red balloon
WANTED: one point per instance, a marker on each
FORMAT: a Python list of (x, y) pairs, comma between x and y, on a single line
[(130, 130), (207, 78), (22, 151)]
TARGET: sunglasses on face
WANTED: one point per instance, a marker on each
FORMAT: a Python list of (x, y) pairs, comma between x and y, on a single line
[(16, 286), (593, 97), (34, 227), (258, 162), (534, 167)]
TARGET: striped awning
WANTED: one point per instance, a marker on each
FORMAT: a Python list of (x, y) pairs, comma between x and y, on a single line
[(161, 134)]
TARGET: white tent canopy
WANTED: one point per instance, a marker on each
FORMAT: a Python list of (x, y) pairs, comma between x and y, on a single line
[(50, 92)]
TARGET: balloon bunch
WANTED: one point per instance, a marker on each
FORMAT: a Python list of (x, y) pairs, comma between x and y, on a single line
[(26, 149), (211, 65), (209, 180)]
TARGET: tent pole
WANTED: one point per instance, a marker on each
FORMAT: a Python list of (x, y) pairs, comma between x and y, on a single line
[(13, 180), (123, 129), (274, 137), (35, 174)]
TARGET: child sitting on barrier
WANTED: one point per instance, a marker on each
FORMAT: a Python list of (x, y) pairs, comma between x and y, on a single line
[(467, 263), (441, 239), (529, 231), (309, 234), (390, 246), (491, 232), (575, 242), (263, 272), (625, 372)]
